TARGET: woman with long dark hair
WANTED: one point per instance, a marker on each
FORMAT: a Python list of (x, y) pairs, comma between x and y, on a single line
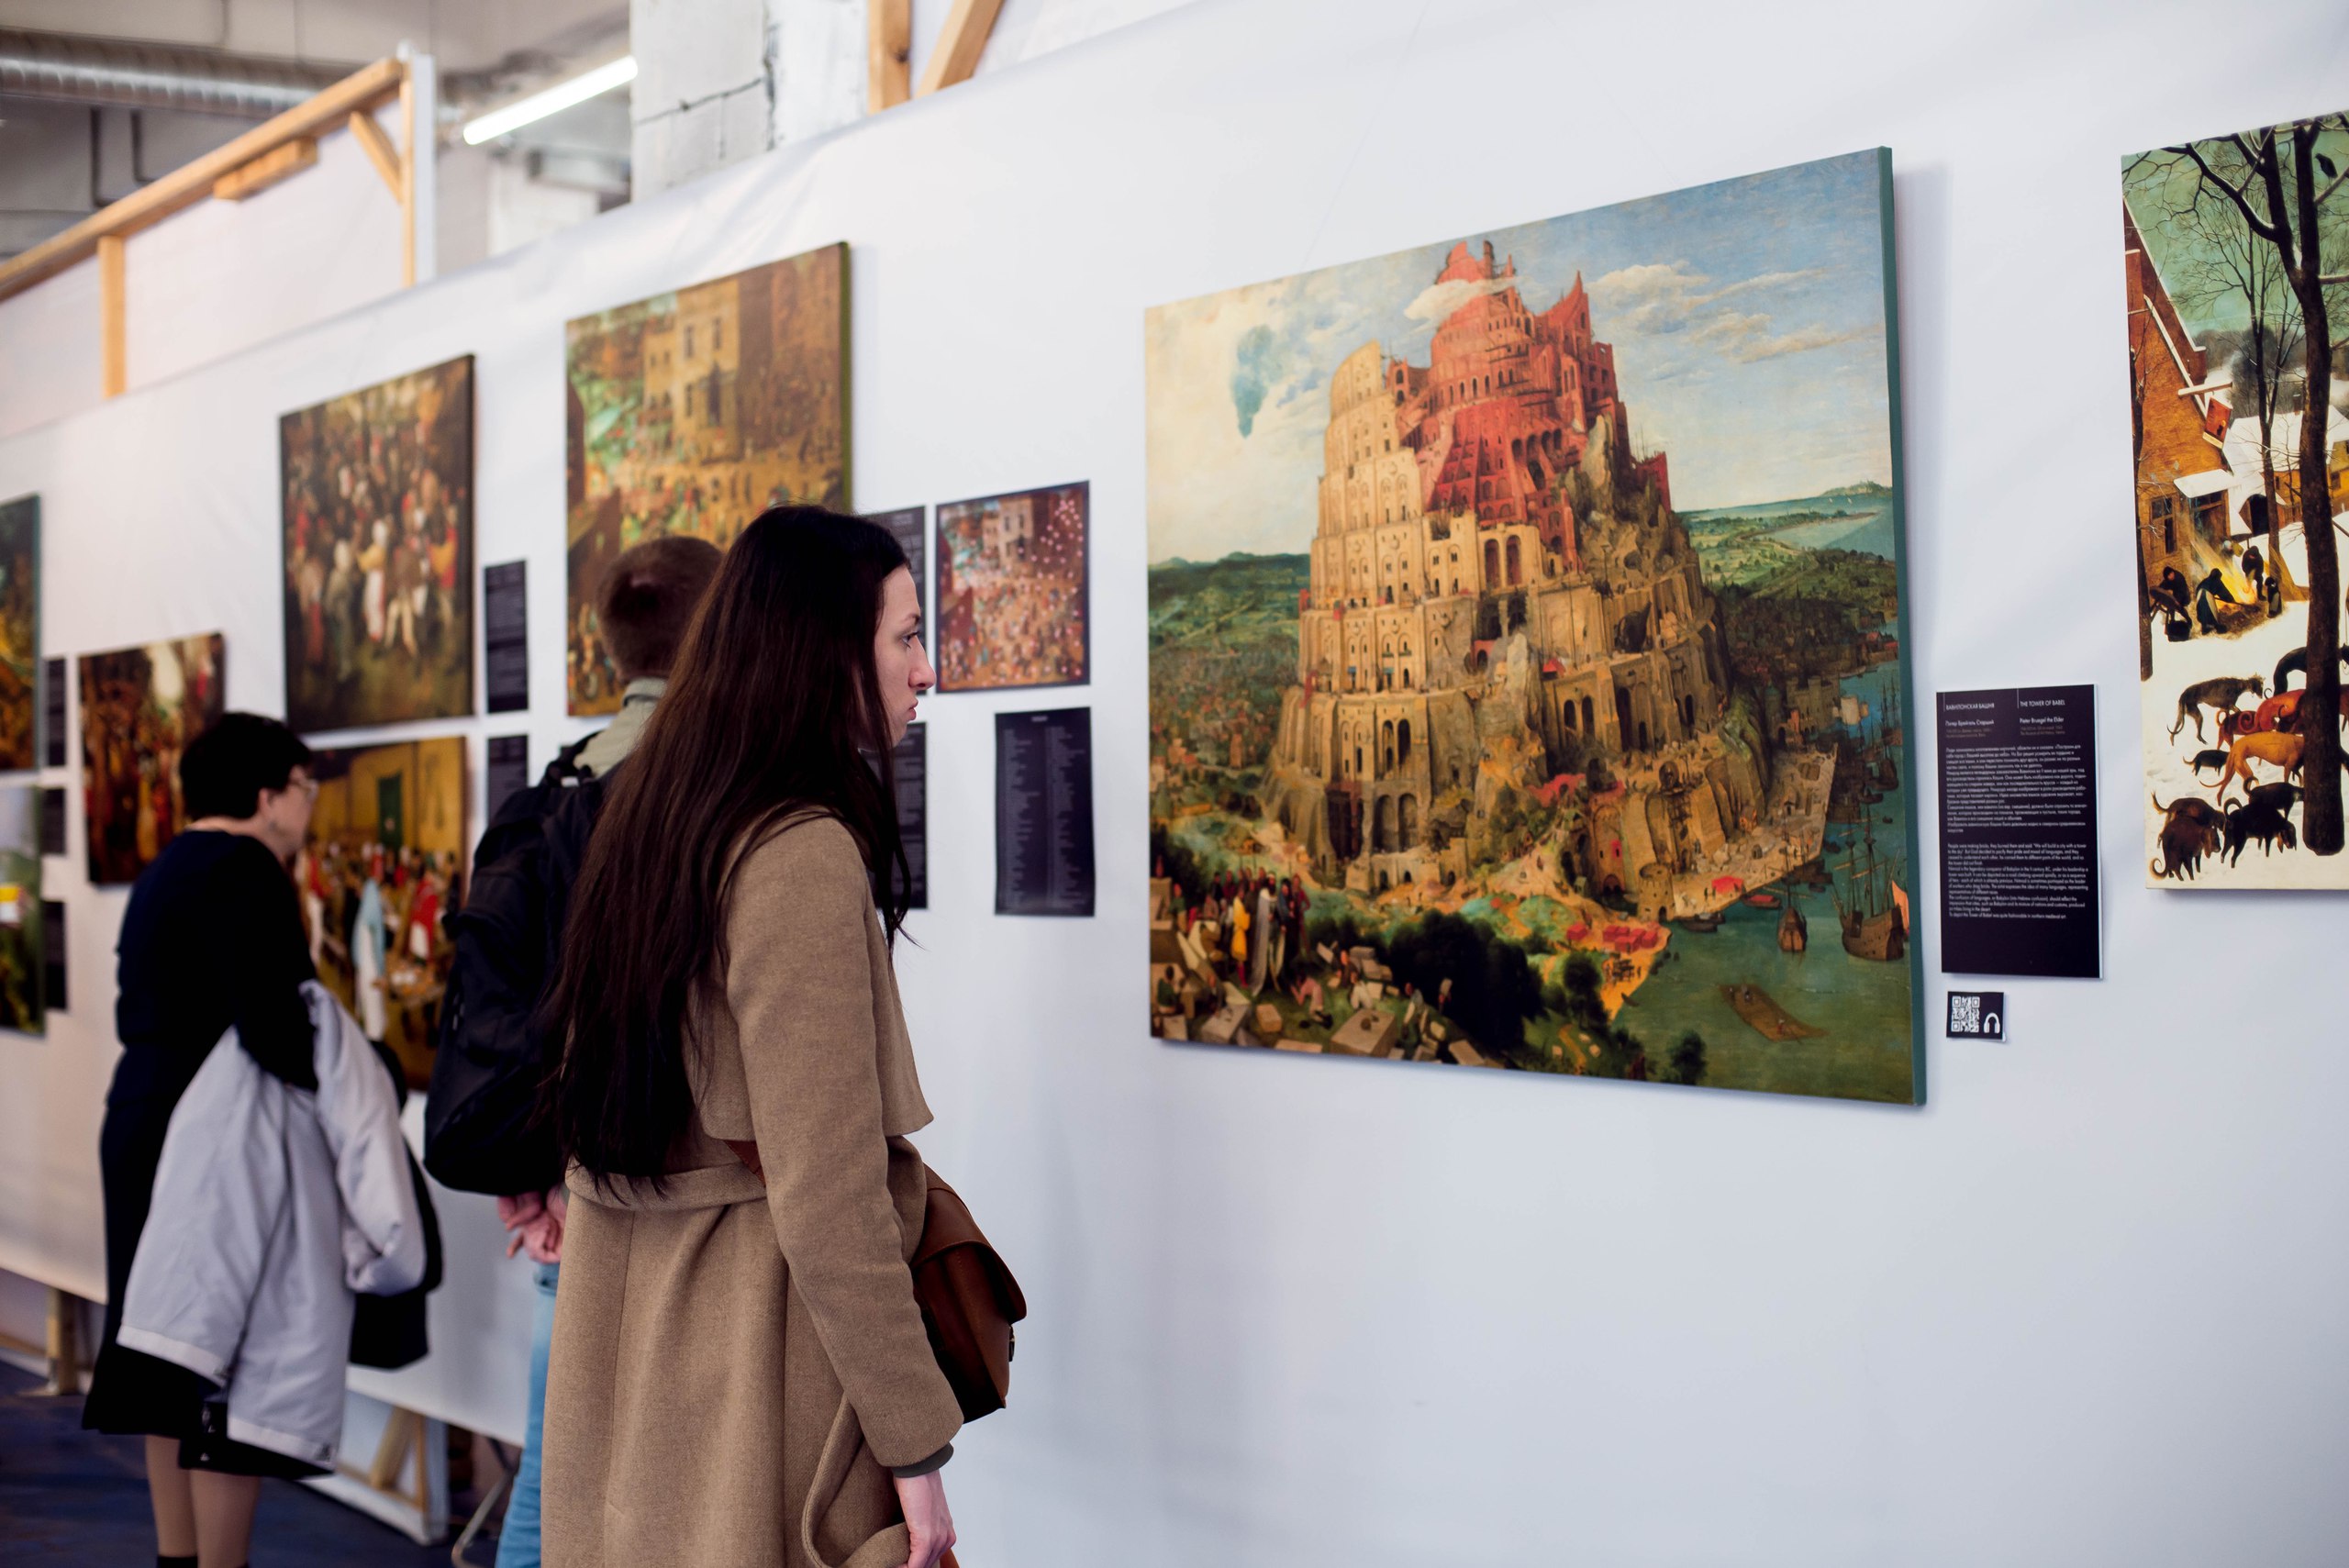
[(739, 1373)]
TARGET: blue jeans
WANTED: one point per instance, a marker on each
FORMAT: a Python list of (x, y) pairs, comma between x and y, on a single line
[(517, 1540)]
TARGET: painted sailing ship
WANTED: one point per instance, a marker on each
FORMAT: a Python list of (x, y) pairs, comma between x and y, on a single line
[(1794, 931), (1871, 905)]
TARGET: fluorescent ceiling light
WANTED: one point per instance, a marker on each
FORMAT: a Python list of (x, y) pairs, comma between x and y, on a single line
[(554, 100)]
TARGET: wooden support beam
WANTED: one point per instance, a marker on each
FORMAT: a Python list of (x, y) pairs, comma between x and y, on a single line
[(889, 53), (192, 182), (267, 169), (959, 46), (400, 1431), (114, 358), (407, 179), (378, 148)]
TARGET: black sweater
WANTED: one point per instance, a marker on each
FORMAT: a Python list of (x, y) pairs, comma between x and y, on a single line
[(213, 938)]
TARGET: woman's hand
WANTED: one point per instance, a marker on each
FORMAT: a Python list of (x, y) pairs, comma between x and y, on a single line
[(923, 1501)]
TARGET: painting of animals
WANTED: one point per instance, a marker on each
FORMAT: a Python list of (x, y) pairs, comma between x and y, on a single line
[(1528, 666), (2236, 326)]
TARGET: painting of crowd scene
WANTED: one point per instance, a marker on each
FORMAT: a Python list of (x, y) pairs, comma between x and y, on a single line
[(19, 629), (379, 878), (378, 517), (23, 964), (693, 412), (1011, 590), (140, 707), (1527, 659), (2233, 252)]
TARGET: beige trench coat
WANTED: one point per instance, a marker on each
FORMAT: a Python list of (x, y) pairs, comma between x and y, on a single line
[(736, 1367)]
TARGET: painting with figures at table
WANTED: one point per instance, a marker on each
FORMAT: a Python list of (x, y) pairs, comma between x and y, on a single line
[(1528, 669), (379, 878)]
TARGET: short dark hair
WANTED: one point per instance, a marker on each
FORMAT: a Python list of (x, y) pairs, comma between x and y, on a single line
[(223, 769), (649, 595)]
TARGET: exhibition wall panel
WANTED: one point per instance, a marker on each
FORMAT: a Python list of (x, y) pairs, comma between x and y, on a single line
[(2082, 1307), (213, 280)]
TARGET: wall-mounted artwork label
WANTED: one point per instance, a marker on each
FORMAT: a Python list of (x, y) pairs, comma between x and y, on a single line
[(20, 631), (140, 707), (506, 635), (691, 413), (22, 968), (382, 869), (1043, 812), (52, 821), (2018, 804), (54, 713), (53, 943), (1977, 1015), (911, 762), (910, 527), (378, 518), (1011, 590), (509, 769), (2236, 325), (1527, 654)]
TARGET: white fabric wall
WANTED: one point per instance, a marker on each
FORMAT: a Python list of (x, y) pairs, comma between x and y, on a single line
[(214, 279), (2083, 1307)]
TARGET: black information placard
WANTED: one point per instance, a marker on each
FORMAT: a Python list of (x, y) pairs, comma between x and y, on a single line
[(509, 768), (52, 821), (912, 528), (1043, 812), (54, 713), (2019, 884), (912, 765), (52, 948), (506, 636)]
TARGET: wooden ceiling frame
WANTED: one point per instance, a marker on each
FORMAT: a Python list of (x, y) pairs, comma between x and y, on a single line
[(272, 151)]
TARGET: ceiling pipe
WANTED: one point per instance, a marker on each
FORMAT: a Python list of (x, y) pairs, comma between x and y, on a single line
[(64, 68)]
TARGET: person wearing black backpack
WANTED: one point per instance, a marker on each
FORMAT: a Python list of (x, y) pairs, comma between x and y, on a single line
[(482, 1130)]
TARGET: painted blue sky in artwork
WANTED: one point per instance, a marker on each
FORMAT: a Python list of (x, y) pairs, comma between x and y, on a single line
[(1747, 319)]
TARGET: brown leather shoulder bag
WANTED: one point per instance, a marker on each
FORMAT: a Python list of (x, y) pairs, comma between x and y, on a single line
[(969, 1300)]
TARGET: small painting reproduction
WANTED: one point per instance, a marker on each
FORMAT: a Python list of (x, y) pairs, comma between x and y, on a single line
[(2232, 250), (23, 968), (19, 629), (378, 880), (691, 413), (378, 518), (1527, 661), (1011, 590), (140, 707)]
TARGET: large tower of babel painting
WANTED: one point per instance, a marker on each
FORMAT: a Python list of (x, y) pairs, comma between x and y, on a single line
[(1505, 610)]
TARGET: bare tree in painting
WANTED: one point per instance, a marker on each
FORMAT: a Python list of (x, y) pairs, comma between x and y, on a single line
[(2288, 194)]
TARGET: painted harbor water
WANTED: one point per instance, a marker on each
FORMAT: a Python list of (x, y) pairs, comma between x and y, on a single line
[(1860, 1007)]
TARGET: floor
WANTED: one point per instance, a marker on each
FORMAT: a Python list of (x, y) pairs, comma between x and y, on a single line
[(72, 1496)]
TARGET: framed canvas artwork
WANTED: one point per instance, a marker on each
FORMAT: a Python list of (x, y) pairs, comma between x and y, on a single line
[(2231, 254), (692, 412), (140, 707), (24, 969), (1012, 590), (20, 694), (1526, 658), (378, 520), (383, 870)]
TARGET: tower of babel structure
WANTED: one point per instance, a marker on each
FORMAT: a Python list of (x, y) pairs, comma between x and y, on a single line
[(1503, 607)]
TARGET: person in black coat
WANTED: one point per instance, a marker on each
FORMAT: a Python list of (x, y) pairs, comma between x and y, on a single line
[(213, 940)]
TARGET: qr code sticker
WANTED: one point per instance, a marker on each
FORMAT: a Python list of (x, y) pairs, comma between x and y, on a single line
[(1964, 1014)]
